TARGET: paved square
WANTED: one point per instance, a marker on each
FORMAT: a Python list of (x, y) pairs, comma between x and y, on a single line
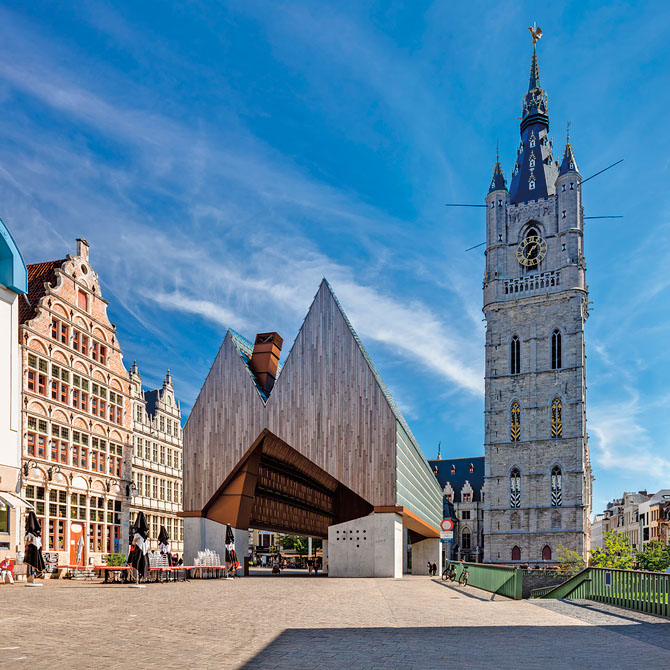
[(294, 622)]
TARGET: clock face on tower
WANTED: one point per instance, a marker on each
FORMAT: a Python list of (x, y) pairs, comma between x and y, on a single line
[(531, 250)]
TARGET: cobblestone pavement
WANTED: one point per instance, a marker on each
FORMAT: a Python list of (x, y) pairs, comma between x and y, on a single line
[(301, 623)]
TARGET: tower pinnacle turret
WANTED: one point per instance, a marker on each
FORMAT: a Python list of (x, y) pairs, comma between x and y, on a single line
[(498, 182), (569, 163)]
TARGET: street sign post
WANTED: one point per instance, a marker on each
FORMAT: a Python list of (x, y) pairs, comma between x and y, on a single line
[(447, 535), (446, 525)]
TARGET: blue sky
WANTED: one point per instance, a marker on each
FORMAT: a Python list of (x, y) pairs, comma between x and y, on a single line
[(222, 157)]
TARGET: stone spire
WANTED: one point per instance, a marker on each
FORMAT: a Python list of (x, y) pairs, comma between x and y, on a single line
[(498, 182), (569, 163)]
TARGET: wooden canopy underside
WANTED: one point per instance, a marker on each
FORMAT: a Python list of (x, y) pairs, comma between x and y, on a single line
[(276, 488)]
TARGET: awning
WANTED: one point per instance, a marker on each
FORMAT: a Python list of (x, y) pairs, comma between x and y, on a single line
[(14, 501)]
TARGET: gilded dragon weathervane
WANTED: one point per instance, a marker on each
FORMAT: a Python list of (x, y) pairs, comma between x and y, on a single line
[(536, 32)]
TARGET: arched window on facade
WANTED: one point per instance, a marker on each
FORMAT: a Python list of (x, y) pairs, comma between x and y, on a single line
[(556, 354), (556, 486), (515, 355), (556, 418), (515, 488), (466, 539), (546, 553), (516, 553), (453, 469), (515, 422)]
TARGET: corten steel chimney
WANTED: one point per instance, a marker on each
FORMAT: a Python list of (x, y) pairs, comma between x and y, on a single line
[(265, 359)]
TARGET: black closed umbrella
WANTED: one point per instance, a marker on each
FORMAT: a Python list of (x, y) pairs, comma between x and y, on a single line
[(164, 544), (33, 539), (138, 556), (231, 554)]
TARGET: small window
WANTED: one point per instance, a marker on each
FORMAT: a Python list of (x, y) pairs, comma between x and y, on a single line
[(532, 143), (82, 300), (516, 553), (556, 353), (515, 423), (572, 186), (515, 355), (563, 214), (531, 185), (546, 553), (515, 488), (563, 188), (556, 487), (453, 469), (556, 418), (472, 467)]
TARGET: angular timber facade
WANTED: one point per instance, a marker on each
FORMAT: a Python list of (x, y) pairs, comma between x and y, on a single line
[(317, 448)]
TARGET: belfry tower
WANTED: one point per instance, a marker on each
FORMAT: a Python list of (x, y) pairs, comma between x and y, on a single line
[(538, 473)]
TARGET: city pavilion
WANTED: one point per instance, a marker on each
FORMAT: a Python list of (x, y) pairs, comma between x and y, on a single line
[(317, 447)]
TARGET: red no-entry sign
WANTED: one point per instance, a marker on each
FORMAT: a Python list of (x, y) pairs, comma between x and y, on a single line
[(447, 524)]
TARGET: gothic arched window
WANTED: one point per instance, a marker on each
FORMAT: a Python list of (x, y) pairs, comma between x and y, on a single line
[(515, 355), (556, 418), (556, 486), (546, 553), (515, 423), (556, 353), (516, 553), (466, 539), (453, 469), (515, 488)]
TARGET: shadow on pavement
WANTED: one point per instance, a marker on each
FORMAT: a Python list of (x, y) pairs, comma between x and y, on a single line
[(463, 647)]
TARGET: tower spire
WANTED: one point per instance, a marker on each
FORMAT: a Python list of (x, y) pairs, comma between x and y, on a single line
[(534, 79), (498, 182), (569, 163), (536, 170)]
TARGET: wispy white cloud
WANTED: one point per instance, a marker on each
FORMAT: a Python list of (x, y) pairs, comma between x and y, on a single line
[(232, 264), (623, 444)]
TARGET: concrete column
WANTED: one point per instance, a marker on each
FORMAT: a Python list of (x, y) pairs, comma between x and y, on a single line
[(201, 533), (370, 546), (423, 552), (324, 565), (309, 547), (388, 545), (405, 540)]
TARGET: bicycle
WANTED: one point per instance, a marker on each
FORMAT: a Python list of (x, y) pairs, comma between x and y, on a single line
[(449, 573), (463, 577)]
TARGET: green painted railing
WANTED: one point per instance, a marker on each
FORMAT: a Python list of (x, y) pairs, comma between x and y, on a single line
[(494, 578), (642, 591), (541, 592)]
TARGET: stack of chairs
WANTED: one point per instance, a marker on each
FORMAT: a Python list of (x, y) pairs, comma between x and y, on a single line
[(209, 563), (156, 563)]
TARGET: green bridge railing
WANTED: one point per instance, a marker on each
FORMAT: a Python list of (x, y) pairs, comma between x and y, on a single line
[(634, 589), (494, 578)]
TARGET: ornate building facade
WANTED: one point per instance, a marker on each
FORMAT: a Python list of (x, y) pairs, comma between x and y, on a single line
[(462, 484), (538, 471), (76, 423), (157, 459)]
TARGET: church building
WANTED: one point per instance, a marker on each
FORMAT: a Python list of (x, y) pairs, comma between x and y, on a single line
[(538, 474)]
